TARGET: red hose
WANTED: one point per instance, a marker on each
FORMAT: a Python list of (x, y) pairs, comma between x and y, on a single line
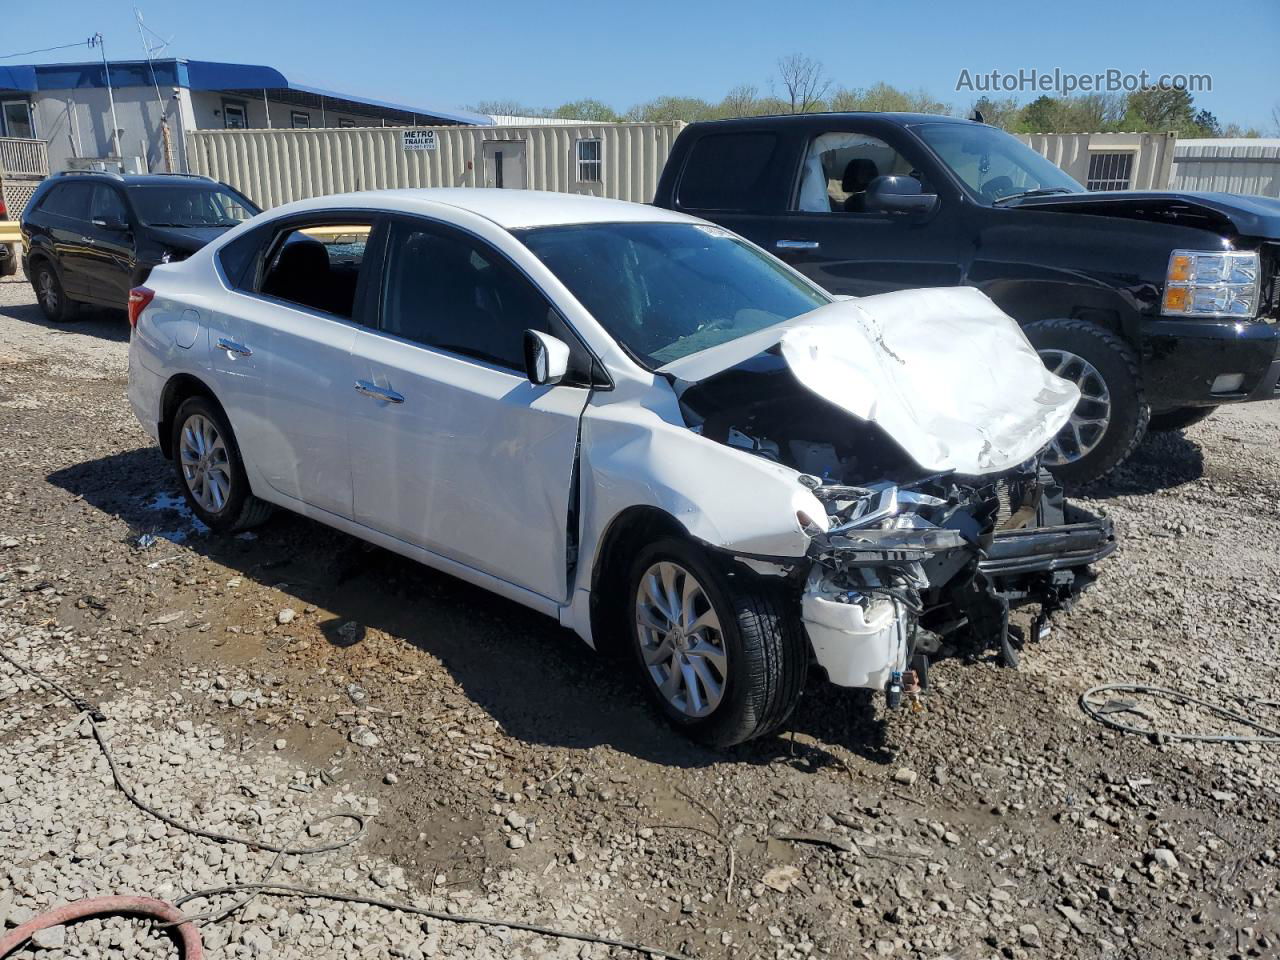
[(189, 938)]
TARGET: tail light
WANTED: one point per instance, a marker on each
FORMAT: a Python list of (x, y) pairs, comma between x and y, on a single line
[(139, 298)]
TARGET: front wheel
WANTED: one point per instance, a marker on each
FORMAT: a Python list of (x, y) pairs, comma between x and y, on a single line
[(721, 654), (207, 459), (1110, 419)]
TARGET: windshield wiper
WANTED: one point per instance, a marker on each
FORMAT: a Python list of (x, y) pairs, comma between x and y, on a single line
[(1041, 192)]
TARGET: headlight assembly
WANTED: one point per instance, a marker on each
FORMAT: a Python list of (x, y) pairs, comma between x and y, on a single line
[(1204, 283)]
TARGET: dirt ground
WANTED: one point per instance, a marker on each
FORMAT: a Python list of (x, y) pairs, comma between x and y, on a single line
[(997, 821)]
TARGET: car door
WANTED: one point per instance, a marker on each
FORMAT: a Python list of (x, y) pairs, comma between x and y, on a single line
[(452, 448), (281, 351), (110, 237), (66, 213), (830, 233)]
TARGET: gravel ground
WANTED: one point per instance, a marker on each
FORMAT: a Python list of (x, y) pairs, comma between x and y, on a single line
[(256, 682)]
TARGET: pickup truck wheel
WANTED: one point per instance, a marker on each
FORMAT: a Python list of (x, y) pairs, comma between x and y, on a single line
[(1111, 418), (49, 293), (1180, 419), (724, 660), (213, 480)]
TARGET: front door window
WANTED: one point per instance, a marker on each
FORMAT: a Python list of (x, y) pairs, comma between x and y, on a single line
[(840, 166)]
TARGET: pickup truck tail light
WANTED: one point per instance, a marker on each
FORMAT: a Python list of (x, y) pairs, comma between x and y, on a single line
[(1212, 283), (139, 298)]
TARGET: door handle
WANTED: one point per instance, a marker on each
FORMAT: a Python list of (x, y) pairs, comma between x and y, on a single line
[(797, 245), (232, 346), (377, 392)]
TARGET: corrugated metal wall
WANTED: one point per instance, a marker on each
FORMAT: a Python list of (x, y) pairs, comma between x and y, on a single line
[(277, 166), (1152, 154), (1230, 166)]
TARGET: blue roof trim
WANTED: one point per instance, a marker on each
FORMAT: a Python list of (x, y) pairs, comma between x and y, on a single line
[(195, 75), (18, 78)]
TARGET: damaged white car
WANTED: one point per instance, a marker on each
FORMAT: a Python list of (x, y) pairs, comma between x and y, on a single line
[(631, 420)]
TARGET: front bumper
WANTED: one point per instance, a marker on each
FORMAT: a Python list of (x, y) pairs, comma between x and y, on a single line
[(1181, 359), (1045, 549)]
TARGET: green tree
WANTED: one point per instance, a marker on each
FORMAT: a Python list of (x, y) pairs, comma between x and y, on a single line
[(592, 110), (672, 108), (1159, 109), (1003, 113)]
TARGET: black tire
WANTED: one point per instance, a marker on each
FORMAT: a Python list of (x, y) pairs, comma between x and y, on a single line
[(767, 654), (50, 295), (1117, 365), (240, 509), (1179, 419)]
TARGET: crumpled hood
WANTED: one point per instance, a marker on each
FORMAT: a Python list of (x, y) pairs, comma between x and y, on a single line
[(944, 372), (1246, 215)]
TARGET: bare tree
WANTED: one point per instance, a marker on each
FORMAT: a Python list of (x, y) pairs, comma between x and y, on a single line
[(742, 101), (1275, 119), (804, 81)]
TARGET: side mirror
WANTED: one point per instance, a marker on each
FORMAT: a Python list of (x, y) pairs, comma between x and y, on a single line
[(899, 195), (115, 226), (546, 359)]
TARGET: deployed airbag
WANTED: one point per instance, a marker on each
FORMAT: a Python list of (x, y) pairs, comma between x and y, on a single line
[(944, 372)]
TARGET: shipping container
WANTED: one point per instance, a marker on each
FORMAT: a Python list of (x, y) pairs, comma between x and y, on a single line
[(1236, 165), (618, 160)]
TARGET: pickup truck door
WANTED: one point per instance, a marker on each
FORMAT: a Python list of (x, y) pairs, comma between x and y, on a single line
[(827, 233)]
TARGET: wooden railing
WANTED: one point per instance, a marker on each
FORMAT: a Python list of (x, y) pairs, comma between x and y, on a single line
[(24, 158)]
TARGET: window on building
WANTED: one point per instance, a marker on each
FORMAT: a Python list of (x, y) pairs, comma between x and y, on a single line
[(1110, 171), (16, 121), (233, 115), (317, 266), (590, 155), (300, 120), (726, 171), (448, 291)]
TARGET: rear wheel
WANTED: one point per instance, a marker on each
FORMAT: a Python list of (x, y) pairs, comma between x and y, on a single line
[(723, 657), (49, 293), (1110, 419), (1180, 419), (209, 468)]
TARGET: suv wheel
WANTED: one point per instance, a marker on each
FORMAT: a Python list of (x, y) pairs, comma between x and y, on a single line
[(1180, 419), (213, 480), (53, 301), (1111, 418), (724, 660)]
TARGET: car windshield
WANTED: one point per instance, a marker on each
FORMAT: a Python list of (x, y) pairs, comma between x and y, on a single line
[(993, 164), (667, 290), (189, 205)]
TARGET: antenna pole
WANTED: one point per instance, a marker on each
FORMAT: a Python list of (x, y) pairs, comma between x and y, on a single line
[(96, 41)]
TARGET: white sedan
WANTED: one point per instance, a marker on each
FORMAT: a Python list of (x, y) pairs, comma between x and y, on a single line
[(628, 419)]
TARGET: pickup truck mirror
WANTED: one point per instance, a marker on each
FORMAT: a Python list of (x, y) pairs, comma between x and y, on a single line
[(899, 195), (546, 359)]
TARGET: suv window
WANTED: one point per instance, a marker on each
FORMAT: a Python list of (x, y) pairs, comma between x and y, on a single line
[(68, 200), (727, 171), (317, 266), (107, 204), (450, 291), (840, 166)]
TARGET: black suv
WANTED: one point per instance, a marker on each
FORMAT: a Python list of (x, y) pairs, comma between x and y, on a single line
[(90, 237), (1158, 305)]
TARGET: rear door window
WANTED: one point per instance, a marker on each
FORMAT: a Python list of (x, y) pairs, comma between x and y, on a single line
[(728, 171), (69, 200), (317, 265)]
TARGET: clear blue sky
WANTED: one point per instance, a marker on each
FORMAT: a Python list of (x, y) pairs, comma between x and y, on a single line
[(545, 52)]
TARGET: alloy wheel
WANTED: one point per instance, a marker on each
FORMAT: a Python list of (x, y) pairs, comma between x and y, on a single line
[(205, 464), (48, 292), (1092, 415), (680, 639)]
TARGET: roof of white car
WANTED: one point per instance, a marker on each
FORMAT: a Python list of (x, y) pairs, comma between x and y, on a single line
[(511, 209)]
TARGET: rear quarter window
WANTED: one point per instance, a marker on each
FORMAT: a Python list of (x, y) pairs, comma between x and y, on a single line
[(727, 171), (239, 257)]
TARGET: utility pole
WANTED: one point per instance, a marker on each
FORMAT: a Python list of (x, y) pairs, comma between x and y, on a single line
[(96, 41)]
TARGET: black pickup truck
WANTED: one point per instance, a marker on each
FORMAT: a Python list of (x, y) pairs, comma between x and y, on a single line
[(1159, 305)]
